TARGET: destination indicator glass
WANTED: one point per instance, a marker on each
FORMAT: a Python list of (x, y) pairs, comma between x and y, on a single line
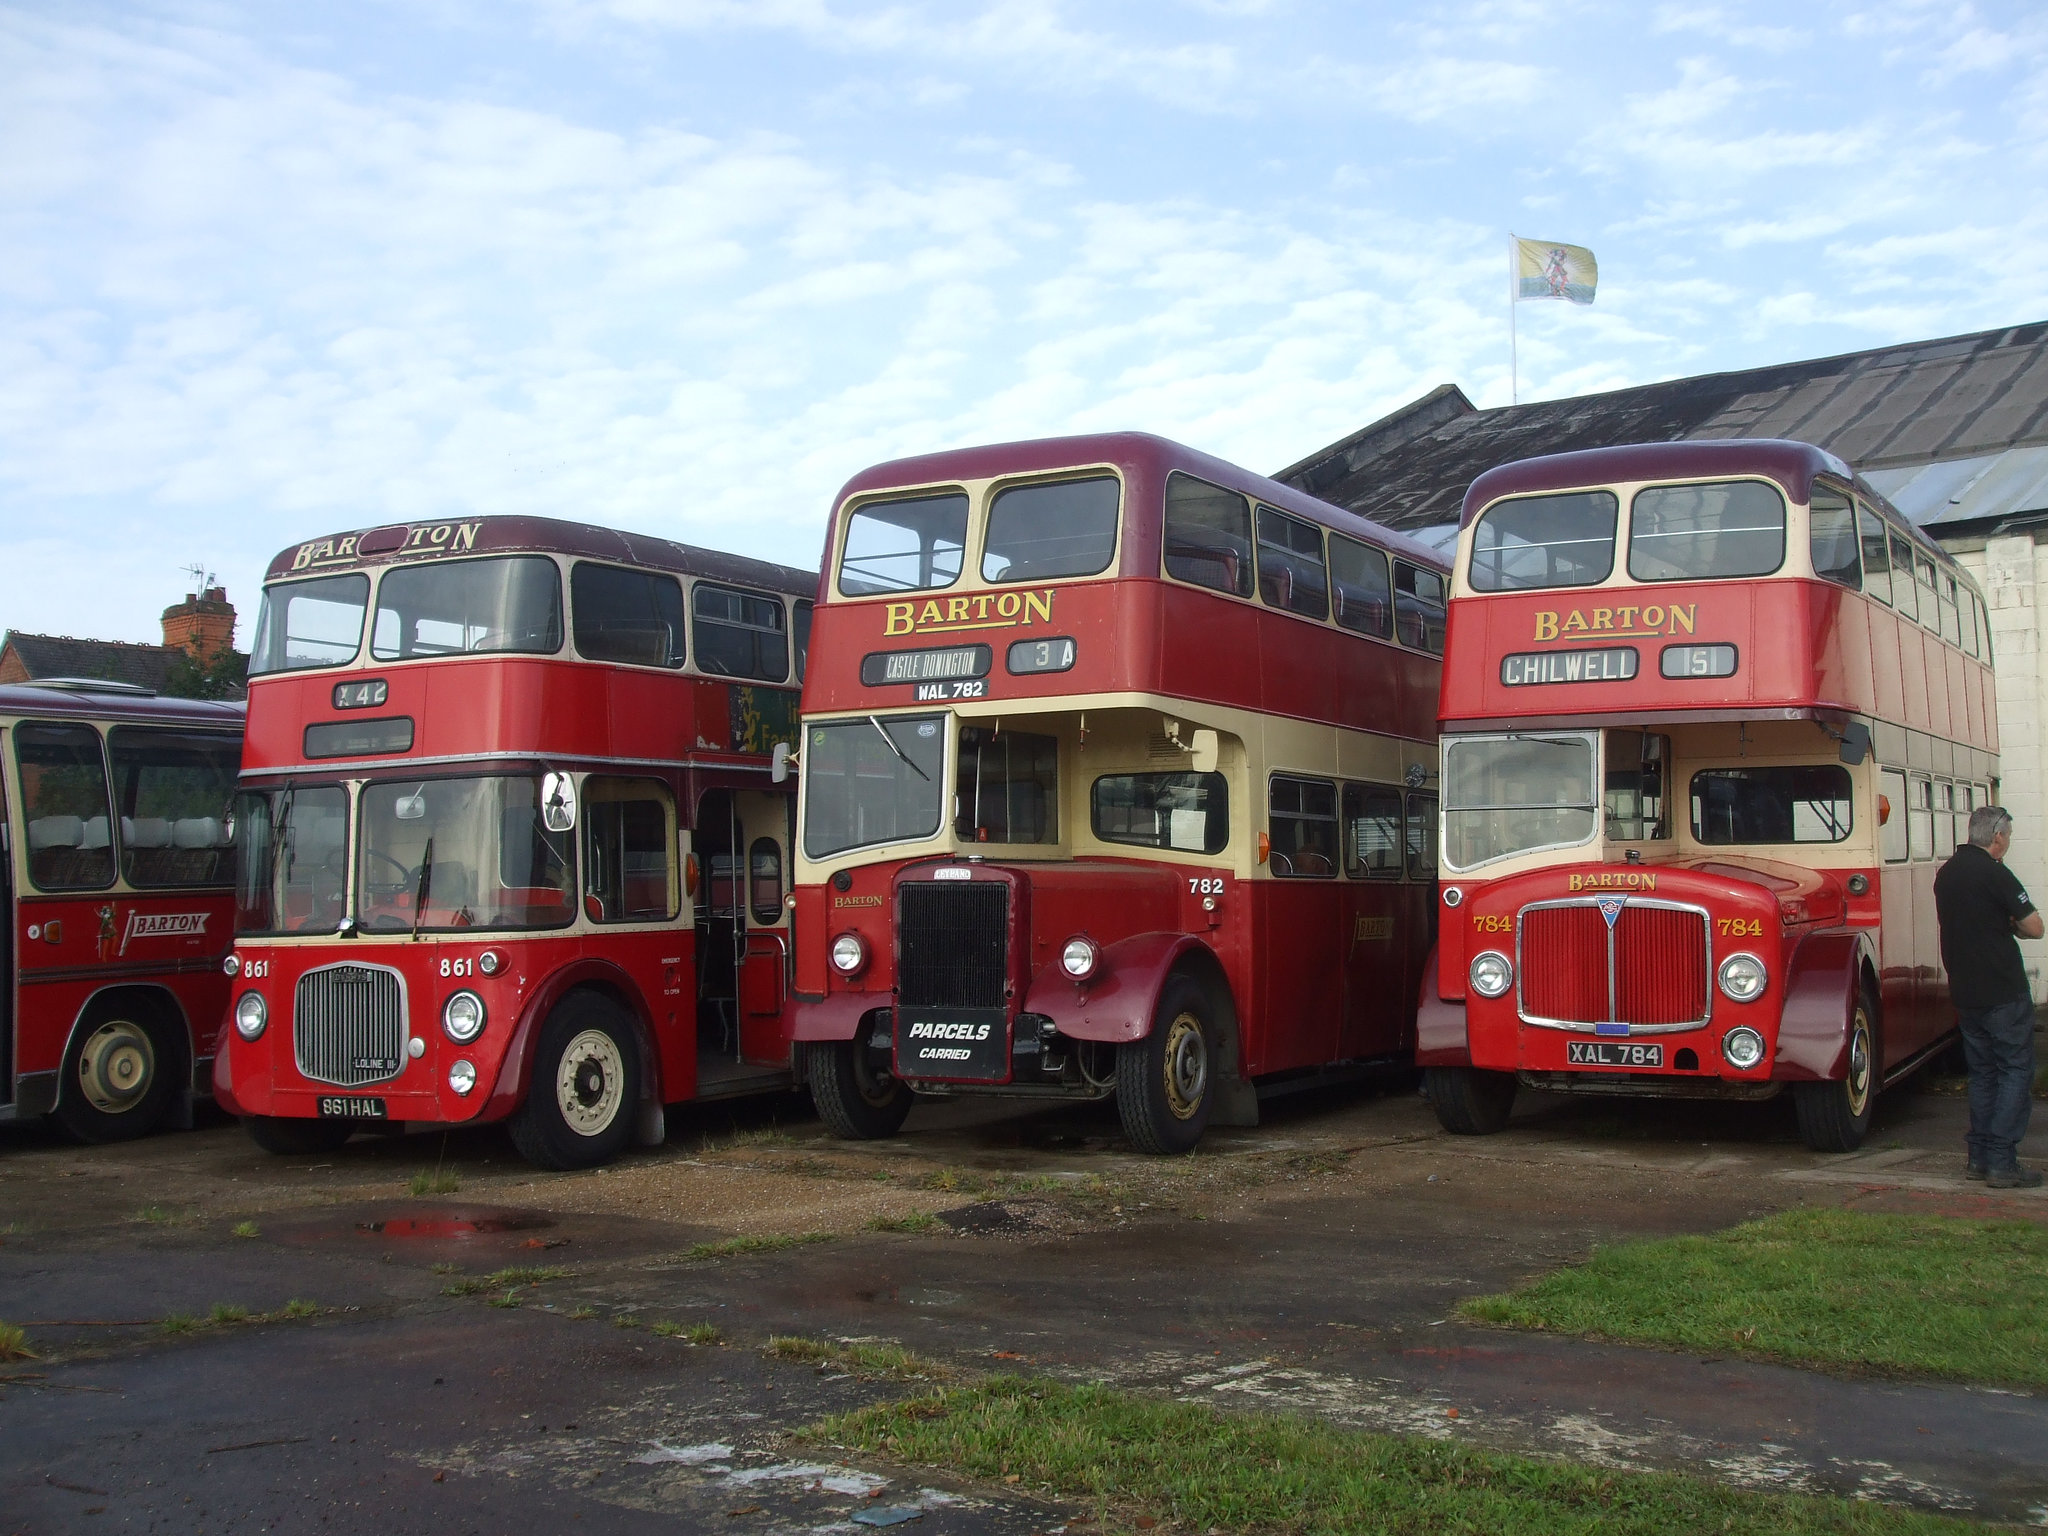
[(880, 668), (1600, 664)]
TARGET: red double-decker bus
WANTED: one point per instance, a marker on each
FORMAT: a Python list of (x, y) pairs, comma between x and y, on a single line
[(1117, 780), (1713, 714), (119, 875), (510, 845)]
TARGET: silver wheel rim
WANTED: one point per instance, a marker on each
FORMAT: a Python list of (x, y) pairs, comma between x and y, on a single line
[(590, 1084), (1857, 1085), (1187, 1066), (116, 1066)]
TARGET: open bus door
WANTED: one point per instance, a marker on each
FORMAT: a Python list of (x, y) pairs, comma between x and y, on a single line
[(763, 820), (8, 1010)]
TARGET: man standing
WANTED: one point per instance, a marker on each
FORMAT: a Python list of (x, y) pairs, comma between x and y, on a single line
[(1982, 907)]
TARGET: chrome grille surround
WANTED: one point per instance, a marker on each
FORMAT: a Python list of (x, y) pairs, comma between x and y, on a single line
[(348, 1024), (1588, 1027)]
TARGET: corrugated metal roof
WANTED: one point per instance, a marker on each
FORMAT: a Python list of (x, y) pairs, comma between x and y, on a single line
[(1984, 488), (1975, 397)]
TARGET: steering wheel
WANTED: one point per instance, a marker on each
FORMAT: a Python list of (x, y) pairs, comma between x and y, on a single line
[(408, 878)]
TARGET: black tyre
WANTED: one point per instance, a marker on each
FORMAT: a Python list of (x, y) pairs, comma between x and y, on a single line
[(296, 1138), (585, 1090), (119, 1073), (857, 1097), (1469, 1102), (1165, 1083), (1835, 1116)]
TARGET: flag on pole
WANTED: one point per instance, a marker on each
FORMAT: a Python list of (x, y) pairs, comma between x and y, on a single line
[(1546, 270)]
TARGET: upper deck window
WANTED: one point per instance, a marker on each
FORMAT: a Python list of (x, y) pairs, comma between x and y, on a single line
[(1208, 535), (1419, 607), (1832, 538), (1534, 542), (1706, 532), (1903, 585), (739, 634), (630, 616), (908, 545), (1063, 528), (316, 623), (1930, 605), (1877, 554), (1362, 591), (1951, 630), (468, 608), (1291, 574)]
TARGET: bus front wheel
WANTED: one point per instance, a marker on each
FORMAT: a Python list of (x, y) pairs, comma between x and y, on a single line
[(579, 1105), (1468, 1101), (1165, 1083), (283, 1137), (117, 1074), (1833, 1117), (857, 1100)]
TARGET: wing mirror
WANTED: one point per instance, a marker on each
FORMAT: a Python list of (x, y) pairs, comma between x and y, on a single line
[(1204, 749)]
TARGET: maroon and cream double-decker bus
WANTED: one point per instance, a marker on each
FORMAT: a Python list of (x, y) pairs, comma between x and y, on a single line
[(510, 845), (1118, 780), (119, 872), (1713, 713)]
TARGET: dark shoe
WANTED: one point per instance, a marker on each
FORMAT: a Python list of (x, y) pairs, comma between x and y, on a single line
[(1976, 1171), (2013, 1178)]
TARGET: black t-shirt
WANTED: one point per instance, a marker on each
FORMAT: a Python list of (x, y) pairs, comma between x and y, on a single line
[(1977, 900)]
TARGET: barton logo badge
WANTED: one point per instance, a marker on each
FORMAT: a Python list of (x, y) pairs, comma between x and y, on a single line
[(1610, 908)]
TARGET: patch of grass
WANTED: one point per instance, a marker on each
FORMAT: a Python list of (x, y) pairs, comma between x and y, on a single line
[(862, 1359), (165, 1216), (13, 1229), (582, 1314), (916, 1221), (665, 1328), (759, 1136), (509, 1299), (247, 1229), (446, 1268), (1147, 1461), (733, 1247), (433, 1181), (703, 1333), (14, 1343), (626, 1320), (180, 1322), (1920, 1295), (299, 1307), (227, 1312), (506, 1279)]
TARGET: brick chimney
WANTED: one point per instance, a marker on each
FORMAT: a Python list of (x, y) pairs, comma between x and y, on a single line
[(203, 625)]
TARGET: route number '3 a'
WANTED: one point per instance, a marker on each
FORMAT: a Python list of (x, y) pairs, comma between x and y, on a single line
[(1211, 885)]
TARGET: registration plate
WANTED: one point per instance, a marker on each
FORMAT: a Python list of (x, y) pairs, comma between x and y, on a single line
[(1611, 1053), (346, 1106)]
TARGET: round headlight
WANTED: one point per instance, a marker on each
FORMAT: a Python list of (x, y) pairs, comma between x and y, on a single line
[(231, 964), (1743, 1047), (462, 1017), (1743, 978), (1080, 958), (462, 1077), (1492, 974), (849, 953), (488, 962), (251, 1014)]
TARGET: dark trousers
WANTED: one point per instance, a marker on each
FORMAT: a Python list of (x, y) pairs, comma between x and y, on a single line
[(1999, 1044)]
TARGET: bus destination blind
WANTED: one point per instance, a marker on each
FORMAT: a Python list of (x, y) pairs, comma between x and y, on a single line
[(1597, 664), (880, 668)]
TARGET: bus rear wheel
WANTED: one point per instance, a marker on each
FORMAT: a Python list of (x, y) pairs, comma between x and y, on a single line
[(1469, 1101), (1165, 1083), (579, 1105), (296, 1138), (1835, 1116), (117, 1074), (857, 1100)]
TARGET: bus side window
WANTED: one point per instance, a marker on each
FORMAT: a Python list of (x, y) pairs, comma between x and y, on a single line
[(634, 617), (1969, 607), (1903, 590), (1304, 817), (802, 624), (1364, 595), (1930, 604), (1950, 630), (1372, 832), (1945, 838), (1877, 555), (1208, 535), (739, 634), (1831, 534), (1920, 818), (629, 848), (174, 793), (64, 802), (1891, 813), (1291, 574), (1422, 837), (1635, 785), (1419, 607), (764, 894)]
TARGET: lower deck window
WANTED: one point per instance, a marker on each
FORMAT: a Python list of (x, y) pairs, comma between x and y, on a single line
[(1185, 811), (1804, 803), (629, 851), (1304, 815), (1007, 787)]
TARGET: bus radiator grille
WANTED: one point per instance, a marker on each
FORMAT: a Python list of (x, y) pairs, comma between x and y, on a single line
[(952, 945), (1661, 965), (348, 1025), (1658, 957), (1563, 971)]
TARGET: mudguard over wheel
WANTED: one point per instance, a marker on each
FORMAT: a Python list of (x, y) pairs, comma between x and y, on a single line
[(1834, 1117), (585, 1089), (1468, 1101), (1165, 1083), (296, 1138), (857, 1099), (119, 1073)]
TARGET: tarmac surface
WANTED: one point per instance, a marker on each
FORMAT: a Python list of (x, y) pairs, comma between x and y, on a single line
[(1311, 1265)]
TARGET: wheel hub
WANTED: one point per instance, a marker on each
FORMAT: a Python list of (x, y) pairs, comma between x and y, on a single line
[(589, 1086), (1858, 1084), (116, 1066), (1187, 1066)]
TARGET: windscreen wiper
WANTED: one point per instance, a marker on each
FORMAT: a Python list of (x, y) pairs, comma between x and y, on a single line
[(426, 884), (891, 740)]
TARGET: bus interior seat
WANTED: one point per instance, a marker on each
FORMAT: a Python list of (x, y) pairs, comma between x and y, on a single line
[(96, 833), (1191, 562), (198, 832), (146, 831), (646, 645), (1276, 585), (47, 832)]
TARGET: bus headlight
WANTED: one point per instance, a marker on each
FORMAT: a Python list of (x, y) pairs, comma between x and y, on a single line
[(1080, 957), (462, 1017), (849, 954), (462, 1077), (231, 964), (488, 962), (1743, 978), (1743, 1047), (1492, 974), (251, 1014)]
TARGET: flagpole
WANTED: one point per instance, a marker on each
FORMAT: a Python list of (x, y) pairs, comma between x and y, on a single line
[(1514, 360)]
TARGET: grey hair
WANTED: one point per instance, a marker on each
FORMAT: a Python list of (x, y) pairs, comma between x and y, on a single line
[(1987, 822)]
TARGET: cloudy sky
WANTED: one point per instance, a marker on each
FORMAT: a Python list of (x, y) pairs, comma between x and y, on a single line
[(272, 270)]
